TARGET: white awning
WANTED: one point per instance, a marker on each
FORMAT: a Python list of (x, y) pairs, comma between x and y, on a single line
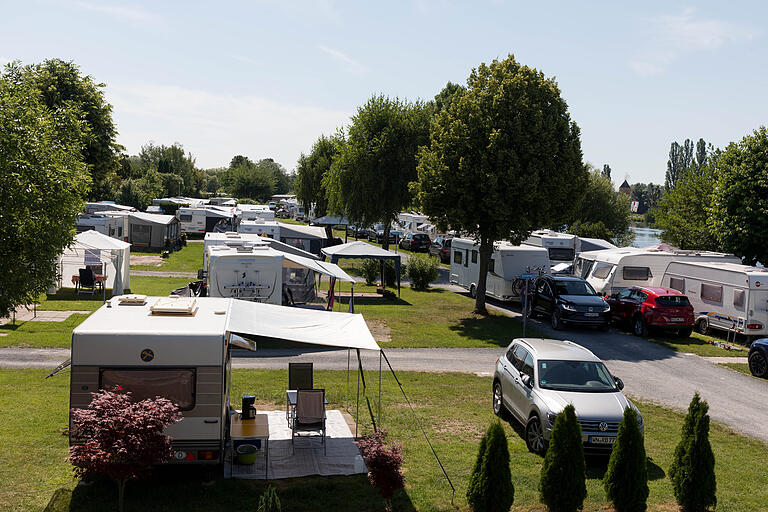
[(321, 329), (328, 269)]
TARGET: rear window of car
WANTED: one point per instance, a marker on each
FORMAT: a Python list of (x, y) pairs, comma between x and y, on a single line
[(420, 237), (672, 301)]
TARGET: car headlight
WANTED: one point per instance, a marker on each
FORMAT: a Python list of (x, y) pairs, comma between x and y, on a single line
[(606, 308), (551, 417), (568, 307)]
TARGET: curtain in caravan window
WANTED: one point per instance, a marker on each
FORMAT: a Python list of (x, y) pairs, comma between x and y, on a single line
[(677, 283), (711, 292), (738, 298), (177, 385), (637, 273)]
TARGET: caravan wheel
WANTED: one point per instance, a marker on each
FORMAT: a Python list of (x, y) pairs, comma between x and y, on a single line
[(702, 326), (473, 291)]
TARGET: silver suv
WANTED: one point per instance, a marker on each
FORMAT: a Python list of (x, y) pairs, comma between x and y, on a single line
[(536, 378)]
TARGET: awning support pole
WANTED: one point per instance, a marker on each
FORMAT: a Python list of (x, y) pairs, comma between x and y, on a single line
[(357, 407), (347, 380), (379, 388)]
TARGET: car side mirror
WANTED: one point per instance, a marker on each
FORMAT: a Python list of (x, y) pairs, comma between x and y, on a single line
[(527, 381), (619, 383)]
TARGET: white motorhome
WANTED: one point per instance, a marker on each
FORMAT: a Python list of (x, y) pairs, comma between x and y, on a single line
[(254, 212), (248, 272), (561, 247), (412, 223), (504, 268), (204, 219), (180, 349), (611, 270), (725, 296), (268, 228), (105, 224)]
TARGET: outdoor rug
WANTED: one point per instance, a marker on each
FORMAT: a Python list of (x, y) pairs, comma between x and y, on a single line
[(342, 458)]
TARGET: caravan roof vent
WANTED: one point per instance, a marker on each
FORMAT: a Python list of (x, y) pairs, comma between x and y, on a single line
[(232, 234), (182, 306), (132, 300)]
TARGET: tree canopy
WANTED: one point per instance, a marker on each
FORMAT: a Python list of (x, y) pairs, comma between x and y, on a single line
[(310, 172), (503, 159), (43, 179), (601, 212)]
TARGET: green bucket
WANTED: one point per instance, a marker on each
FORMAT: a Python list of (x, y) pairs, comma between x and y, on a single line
[(247, 453)]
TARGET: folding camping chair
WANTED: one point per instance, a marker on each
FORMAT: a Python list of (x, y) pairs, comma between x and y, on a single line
[(87, 281), (299, 377), (309, 415)]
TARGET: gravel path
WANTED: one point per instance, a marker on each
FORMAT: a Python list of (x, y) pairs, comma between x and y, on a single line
[(161, 273)]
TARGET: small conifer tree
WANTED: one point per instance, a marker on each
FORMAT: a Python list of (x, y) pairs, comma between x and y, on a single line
[(490, 486), (562, 487), (626, 480), (693, 467)]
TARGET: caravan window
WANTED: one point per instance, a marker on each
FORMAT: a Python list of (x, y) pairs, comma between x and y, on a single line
[(457, 257), (637, 273), (177, 385), (560, 254), (583, 267), (491, 265), (602, 270), (738, 298), (474, 256), (711, 292), (677, 284), (187, 217)]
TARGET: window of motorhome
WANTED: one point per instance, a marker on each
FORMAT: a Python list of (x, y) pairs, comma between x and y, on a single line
[(602, 270), (583, 267), (457, 257), (185, 218), (119, 232), (561, 254), (491, 265), (677, 284), (711, 292), (739, 298), (177, 385), (637, 273), (474, 256)]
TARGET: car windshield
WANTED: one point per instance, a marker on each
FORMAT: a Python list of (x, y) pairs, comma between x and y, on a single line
[(580, 376), (574, 288)]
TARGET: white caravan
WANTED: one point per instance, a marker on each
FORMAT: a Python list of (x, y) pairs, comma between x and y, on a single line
[(561, 247), (724, 296), (104, 224), (248, 272), (504, 268), (412, 223), (180, 349), (204, 219), (268, 228), (254, 212), (611, 270)]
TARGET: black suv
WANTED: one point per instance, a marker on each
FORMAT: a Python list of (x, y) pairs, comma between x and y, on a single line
[(569, 300), (415, 242), (441, 247)]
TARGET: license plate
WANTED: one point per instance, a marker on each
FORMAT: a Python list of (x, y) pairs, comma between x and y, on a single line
[(676, 319), (602, 440), (590, 314)]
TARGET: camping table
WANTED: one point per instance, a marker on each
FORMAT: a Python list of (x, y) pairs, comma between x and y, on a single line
[(97, 278), (246, 430), (290, 403)]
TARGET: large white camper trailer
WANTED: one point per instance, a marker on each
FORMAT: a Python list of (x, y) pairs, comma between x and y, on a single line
[(561, 247), (504, 268), (105, 224), (611, 270), (268, 228), (180, 349), (204, 219), (254, 212), (725, 296), (248, 272)]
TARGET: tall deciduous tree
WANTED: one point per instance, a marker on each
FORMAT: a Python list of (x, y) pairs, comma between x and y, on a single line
[(369, 178), (61, 84), (310, 172), (43, 180), (253, 181), (503, 159), (739, 213), (601, 212), (180, 176), (680, 158)]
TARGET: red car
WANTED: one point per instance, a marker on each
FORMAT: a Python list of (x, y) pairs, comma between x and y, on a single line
[(644, 307)]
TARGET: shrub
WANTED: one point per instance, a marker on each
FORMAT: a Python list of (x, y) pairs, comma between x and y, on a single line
[(390, 274), (422, 270), (120, 438), (562, 487), (269, 502), (626, 480), (693, 467), (383, 462), (490, 485), (370, 270)]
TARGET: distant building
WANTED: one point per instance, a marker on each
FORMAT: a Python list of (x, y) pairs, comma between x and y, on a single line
[(625, 188)]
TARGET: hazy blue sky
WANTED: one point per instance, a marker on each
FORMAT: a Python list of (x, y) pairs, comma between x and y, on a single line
[(266, 78)]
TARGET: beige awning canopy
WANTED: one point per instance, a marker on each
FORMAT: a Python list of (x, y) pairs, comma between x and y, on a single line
[(321, 267)]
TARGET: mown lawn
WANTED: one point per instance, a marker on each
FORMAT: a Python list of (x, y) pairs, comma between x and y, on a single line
[(187, 259), (454, 409), (698, 344), (739, 367)]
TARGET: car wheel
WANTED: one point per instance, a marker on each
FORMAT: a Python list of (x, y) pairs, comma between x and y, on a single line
[(758, 364), (684, 333), (472, 291), (498, 401), (702, 326), (557, 324), (534, 436), (639, 327)]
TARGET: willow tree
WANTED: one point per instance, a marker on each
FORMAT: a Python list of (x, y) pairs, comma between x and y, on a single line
[(311, 170), (503, 159)]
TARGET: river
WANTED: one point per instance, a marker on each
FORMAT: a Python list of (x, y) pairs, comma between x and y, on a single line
[(645, 236)]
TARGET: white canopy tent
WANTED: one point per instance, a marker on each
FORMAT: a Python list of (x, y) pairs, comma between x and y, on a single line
[(94, 248)]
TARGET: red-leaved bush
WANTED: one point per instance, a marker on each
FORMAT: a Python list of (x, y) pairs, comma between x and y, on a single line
[(383, 463), (121, 438)]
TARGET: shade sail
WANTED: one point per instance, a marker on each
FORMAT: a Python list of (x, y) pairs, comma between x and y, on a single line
[(303, 326), (328, 269)]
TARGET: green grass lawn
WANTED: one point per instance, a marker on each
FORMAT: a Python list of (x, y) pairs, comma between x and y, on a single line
[(187, 259), (697, 344), (739, 367), (454, 409), (40, 334)]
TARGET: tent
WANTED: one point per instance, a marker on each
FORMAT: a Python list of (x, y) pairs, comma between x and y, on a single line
[(94, 248), (363, 250)]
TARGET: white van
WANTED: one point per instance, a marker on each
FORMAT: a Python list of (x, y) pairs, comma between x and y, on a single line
[(611, 270), (562, 247), (248, 272), (504, 268), (724, 296)]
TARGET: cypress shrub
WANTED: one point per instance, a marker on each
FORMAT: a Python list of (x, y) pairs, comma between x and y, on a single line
[(562, 487), (490, 485), (693, 467), (422, 270), (626, 480)]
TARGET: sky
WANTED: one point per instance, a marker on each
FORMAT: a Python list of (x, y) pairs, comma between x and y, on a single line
[(267, 78)]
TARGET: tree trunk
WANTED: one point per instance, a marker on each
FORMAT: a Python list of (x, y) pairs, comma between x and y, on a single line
[(385, 242), (486, 249), (121, 494)]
